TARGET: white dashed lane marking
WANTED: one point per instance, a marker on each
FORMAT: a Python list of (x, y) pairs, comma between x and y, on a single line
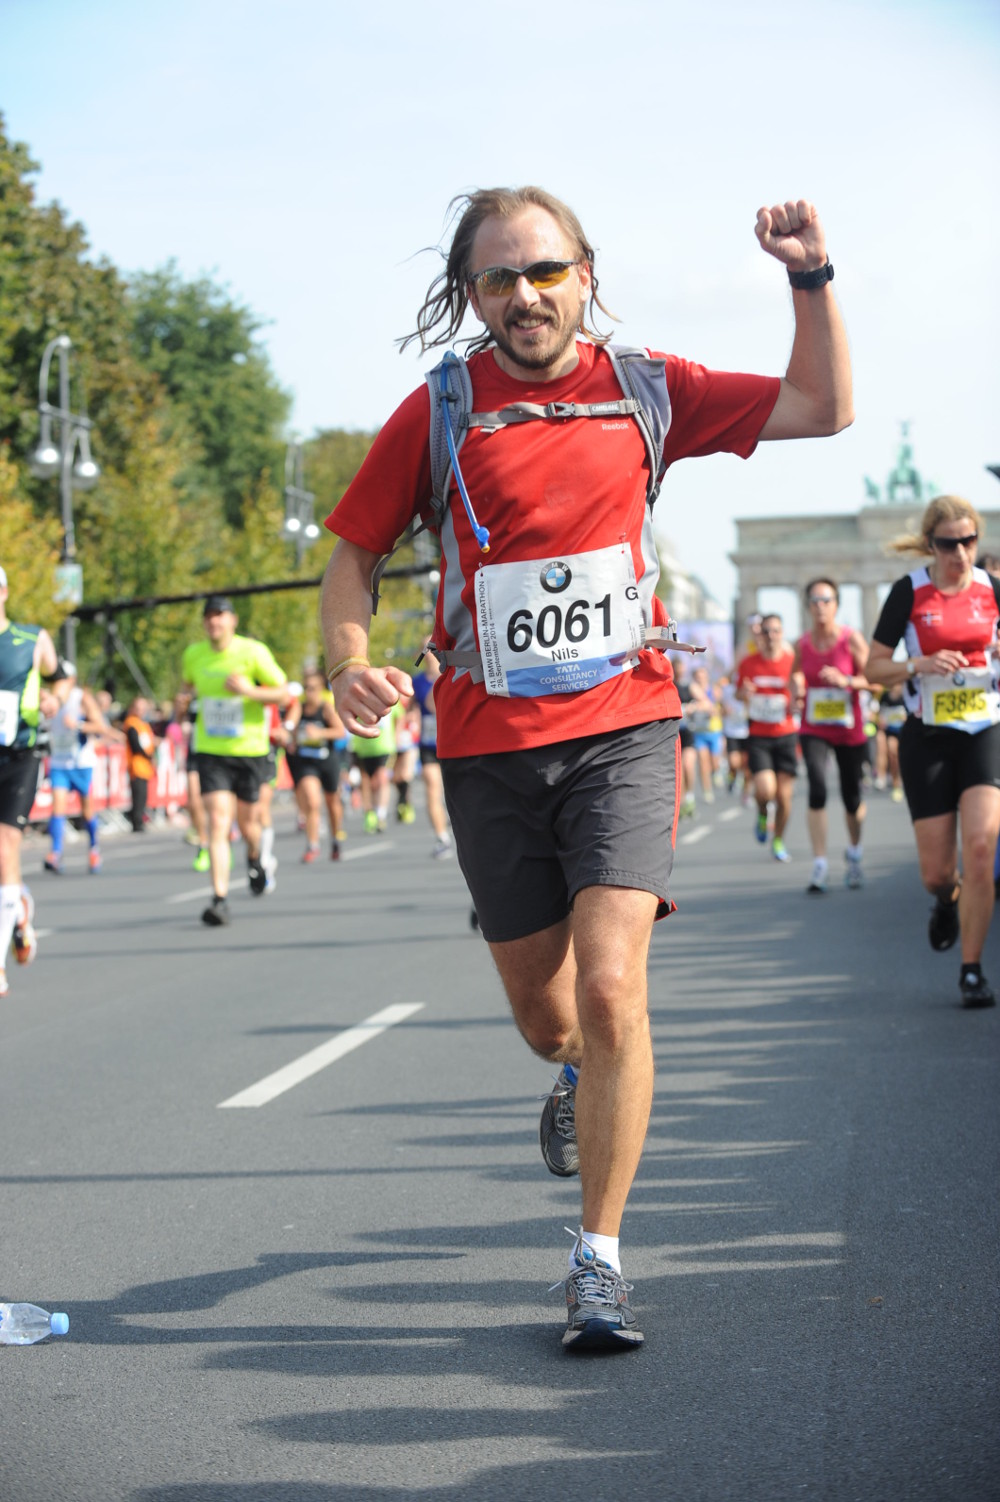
[(318, 1058)]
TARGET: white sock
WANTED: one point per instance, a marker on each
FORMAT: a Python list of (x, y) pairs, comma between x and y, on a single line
[(820, 864), (605, 1247), (10, 909), (266, 844), (855, 852)]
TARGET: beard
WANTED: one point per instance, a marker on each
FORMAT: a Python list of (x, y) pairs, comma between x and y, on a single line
[(547, 353)]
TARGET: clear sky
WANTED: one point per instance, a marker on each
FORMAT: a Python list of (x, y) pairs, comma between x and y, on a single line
[(304, 153)]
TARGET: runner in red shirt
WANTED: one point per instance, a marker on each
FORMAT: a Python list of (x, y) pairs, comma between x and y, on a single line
[(828, 672), (763, 682), (947, 611), (559, 759)]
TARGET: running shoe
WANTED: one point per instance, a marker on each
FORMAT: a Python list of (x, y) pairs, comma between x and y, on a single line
[(310, 854), (897, 795), (854, 877), (216, 915), (942, 930), (406, 813), (94, 861), (25, 939), (598, 1314), (817, 881), (271, 874), (371, 822), (202, 861), (708, 796), (687, 806), (256, 876), (335, 850), (54, 864), (976, 991), (760, 829), (557, 1129), (442, 850), (778, 850)]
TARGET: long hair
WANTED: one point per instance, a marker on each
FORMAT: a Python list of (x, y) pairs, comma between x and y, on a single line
[(443, 310), (943, 508)]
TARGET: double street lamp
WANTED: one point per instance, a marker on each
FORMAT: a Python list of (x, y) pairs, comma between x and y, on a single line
[(299, 526), (73, 463)]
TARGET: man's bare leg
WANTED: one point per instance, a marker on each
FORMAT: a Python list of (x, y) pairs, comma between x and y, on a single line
[(578, 992)]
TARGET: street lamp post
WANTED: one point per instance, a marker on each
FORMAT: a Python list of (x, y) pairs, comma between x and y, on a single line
[(47, 461), (299, 526)]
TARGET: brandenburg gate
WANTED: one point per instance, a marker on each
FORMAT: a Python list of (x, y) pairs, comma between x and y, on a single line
[(787, 551)]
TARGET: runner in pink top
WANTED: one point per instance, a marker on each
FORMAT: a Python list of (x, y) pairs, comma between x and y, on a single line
[(828, 672)]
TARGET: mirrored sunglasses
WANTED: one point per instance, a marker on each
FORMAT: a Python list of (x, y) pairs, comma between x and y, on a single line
[(500, 281), (821, 599)]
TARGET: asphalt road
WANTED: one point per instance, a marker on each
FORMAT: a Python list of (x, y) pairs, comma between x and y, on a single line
[(341, 1293)]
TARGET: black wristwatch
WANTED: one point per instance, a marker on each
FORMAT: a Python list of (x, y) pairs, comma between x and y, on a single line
[(808, 281)]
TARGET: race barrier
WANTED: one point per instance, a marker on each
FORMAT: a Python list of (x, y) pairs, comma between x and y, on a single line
[(110, 787)]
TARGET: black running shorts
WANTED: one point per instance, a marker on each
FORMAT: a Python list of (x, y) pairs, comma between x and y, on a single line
[(325, 768), (532, 828), (241, 775), (773, 753), (937, 766), (18, 782)]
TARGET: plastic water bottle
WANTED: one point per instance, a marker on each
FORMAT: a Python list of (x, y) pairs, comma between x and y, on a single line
[(23, 1324)]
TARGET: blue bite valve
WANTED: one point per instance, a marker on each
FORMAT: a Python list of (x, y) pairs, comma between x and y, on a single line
[(59, 1324)]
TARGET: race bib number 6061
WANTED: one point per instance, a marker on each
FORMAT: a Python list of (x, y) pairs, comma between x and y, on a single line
[(558, 626)]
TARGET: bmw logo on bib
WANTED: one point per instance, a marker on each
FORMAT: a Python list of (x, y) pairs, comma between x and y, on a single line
[(556, 577)]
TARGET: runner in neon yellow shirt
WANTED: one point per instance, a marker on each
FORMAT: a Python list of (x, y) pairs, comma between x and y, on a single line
[(233, 678)]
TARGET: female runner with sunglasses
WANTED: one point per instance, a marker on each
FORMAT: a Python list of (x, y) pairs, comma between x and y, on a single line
[(828, 672), (947, 610)]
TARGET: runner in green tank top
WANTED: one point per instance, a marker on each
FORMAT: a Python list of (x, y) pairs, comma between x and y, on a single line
[(27, 655)]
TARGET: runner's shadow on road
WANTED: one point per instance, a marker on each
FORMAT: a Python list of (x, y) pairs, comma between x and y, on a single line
[(102, 1321)]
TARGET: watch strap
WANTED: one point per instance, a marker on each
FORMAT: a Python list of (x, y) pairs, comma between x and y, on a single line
[(808, 281)]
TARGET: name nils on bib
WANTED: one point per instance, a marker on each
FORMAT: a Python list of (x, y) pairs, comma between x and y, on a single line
[(558, 626)]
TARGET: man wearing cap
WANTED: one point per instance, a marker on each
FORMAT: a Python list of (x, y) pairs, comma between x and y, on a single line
[(233, 678), (27, 655)]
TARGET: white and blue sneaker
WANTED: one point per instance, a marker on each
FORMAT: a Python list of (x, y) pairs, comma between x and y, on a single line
[(598, 1314)]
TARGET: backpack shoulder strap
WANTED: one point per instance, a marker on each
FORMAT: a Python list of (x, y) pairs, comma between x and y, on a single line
[(450, 382), (643, 377)]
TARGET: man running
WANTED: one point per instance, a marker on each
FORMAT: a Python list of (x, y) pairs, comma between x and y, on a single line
[(73, 732), (27, 655), (233, 678), (430, 766), (763, 680), (559, 751)]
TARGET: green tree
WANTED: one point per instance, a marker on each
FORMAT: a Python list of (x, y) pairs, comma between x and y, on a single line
[(29, 553), (223, 395)]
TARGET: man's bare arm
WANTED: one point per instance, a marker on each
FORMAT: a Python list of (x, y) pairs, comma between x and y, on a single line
[(816, 397), (363, 694)]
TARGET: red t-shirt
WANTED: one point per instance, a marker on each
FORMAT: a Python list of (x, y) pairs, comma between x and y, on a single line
[(769, 678), (545, 489)]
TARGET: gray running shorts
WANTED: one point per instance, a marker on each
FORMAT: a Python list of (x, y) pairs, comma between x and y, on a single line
[(532, 828)]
